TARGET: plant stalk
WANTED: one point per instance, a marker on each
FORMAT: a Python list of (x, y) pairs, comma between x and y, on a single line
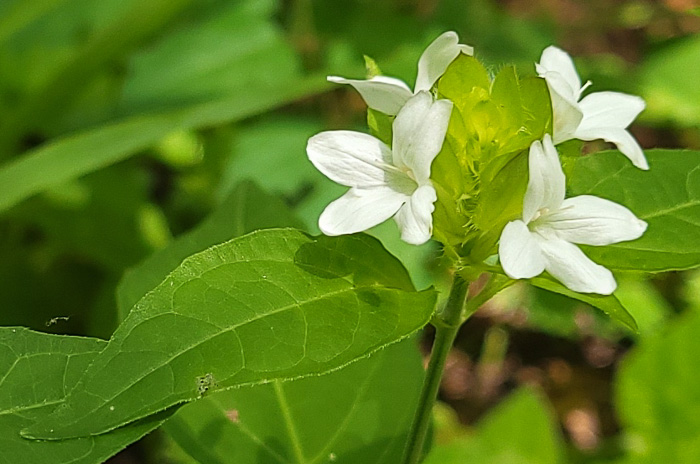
[(450, 320)]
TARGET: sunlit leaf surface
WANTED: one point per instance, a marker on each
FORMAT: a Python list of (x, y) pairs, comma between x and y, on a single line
[(274, 304)]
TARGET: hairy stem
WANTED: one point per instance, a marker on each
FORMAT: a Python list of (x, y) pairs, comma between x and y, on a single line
[(450, 320)]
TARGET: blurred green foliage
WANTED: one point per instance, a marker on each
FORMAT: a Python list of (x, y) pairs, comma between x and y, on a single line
[(124, 124)]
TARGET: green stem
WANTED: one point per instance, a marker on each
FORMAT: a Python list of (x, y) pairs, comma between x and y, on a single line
[(451, 318)]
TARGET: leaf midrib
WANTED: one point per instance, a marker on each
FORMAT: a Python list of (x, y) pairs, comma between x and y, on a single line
[(200, 342)]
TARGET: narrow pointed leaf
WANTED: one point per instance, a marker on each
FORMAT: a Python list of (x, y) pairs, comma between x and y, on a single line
[(609, 304), (274, 304), (73, 156)]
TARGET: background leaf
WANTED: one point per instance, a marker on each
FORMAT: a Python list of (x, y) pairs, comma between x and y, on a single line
[(78, 154), (37, 372), (658, 395), (667, 196), (274, 304), (667, 81), (360, 413), (520, 430)]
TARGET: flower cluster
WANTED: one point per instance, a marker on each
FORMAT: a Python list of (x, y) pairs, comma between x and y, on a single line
[(395, 181)]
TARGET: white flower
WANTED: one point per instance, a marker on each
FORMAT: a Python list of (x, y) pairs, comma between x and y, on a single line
[(388, 94), (600, 115), (383, 181), (544, 239)]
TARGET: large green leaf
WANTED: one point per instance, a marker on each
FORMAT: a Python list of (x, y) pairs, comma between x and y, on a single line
[(247, 208), (359, 414), (274, 304), (658, 395), (522, 430), (37, 372), (667, 196)]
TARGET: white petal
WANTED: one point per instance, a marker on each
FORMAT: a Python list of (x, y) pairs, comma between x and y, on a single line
[(624, 141), (437, 57), (566, 113), (419, 131), (415, 217), (567, 263), (557, 60), (360, 209), (381, 93), (519, 252), (590, 220), (610, 109), (546, 186), (350, 158), (558, 85)]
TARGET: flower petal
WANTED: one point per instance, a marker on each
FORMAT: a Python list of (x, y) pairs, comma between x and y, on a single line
[(557, 60), (566, 113), (590, 220), (546, 186), (437, 57), (350, 158), (567, 263), (360, 209), (419, 131), (610, 109), (381, 93), (519, 252), (624, 141), (415, 217)]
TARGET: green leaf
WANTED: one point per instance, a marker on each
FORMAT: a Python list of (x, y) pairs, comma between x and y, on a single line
[(274, 304), (98, 217), (78, 154), (560, 316), (110, 37), (37, 371), (359, 414), (17, 14), (278, 142), (609, 304), (234, 48), (521, 430), (658, 395), (667, 197), (668, 84), (247, 208)]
